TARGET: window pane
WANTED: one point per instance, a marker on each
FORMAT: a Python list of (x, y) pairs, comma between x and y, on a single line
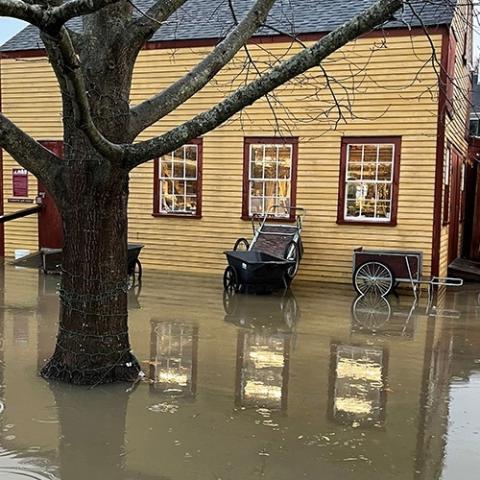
[(256, 170), (178, 155), (354, 191), (271, 189), (370, 153), (385, 153), (369, 171), (354, 171), (191, 187), (178, 170), (256, 189), (191, 152), (369, 191), (191, 205), (270, 154), (383, 209), (353, 208), (284, 161), (256, 153), (270, 170), (179, 202), (384, 171), (165, 168), (384, 191), (368, 208), (355, 153), (256, 205), (191, 169)]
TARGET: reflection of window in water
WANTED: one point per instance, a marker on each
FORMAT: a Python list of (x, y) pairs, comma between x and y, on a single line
[(262, 370), (357, 388), (20, 328), (173, 365)]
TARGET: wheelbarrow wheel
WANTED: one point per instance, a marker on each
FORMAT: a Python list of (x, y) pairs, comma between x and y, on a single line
[(292, 253), (373, 277), (137, 270), (241, 244), (230, 280), (371, 312)]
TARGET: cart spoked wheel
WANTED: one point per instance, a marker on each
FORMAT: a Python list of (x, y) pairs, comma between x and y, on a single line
[(241, 244), (292, 253), (371, 311), (230, 280), (373, 277), (290, 311), (229, 302)]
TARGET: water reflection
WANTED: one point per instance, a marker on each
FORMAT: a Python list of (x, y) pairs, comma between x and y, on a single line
[(263, 347), (358, 385), (395, 382), (173, 363), (375, 314)]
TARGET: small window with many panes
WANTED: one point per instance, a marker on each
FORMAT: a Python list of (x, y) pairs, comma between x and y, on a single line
[(369, 180), (270, 176), (178, 184)]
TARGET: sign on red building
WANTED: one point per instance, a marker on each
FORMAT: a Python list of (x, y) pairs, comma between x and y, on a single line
[(20, 182)]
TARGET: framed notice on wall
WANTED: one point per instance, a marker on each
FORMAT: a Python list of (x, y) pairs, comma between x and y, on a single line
[(20, 182)]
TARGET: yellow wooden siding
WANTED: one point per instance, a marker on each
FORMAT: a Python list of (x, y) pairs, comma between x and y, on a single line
[(456, 124), (395, 95)]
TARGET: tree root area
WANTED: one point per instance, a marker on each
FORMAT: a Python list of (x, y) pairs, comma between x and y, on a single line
[(58, 369)]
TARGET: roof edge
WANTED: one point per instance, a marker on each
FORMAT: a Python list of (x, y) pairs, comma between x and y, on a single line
[(258, 39)]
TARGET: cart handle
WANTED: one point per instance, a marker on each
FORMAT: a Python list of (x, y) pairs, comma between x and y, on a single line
[(260, 219)]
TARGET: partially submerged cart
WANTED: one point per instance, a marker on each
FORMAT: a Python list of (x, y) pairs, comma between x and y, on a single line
[(52, 262), (380, 271), (271, 260)]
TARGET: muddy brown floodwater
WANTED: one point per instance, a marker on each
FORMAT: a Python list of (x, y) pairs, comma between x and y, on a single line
[(312, 385)]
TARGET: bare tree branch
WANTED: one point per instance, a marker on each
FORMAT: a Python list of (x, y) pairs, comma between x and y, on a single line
[(140, 29), (372, 17), (27, 152), (50, 18), (155, 108)]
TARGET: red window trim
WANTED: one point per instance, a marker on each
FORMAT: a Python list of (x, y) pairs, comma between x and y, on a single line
[(156, 187), (246, 159), (446, 192), (397, 141)]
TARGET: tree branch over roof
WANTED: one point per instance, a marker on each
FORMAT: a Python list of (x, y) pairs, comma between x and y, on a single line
[(380, 12), (140, 29), (51, 18), (155, 108), (28, 152)]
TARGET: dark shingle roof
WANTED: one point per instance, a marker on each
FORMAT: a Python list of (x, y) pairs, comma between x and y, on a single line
[(203, 19)]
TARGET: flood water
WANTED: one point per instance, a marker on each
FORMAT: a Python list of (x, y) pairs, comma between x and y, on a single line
[(312, 385)]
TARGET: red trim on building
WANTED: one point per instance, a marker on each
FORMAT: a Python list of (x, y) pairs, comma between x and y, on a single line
[(439, 157), (2, 226), (156, 187), (257, 40), (293, 174), (397, 141)]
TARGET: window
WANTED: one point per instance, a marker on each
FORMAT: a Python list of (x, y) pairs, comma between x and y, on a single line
[(270, 176), (369, 180), (177, 189)]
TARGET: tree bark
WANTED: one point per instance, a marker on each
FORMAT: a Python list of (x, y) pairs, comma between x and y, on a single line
[(93, 344)]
